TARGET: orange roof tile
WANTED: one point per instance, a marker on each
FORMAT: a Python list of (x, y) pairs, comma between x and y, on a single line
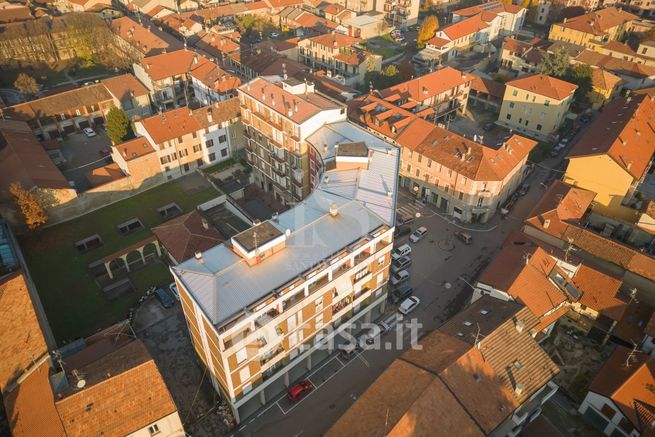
[(465, 27), (172, 64), (335, 40), (544, 85), (185, 235), (134, 148), (215, 78), (125, 86), (599, 291), (105, 174), (171, 124), (21, 339), (432, 84), (603, 79), (625, 131), (598, 22), (493, 6), (488, 86), (147, 40)]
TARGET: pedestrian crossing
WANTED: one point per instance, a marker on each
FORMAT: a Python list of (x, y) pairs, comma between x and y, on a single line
[(410, 209)]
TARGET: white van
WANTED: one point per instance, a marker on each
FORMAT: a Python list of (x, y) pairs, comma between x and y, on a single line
[(401, 251)]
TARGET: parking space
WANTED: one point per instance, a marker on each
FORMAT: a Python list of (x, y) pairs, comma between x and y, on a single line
[(83, 154)]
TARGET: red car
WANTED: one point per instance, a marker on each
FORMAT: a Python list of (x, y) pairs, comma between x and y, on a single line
[(300, 390), (105, 152)]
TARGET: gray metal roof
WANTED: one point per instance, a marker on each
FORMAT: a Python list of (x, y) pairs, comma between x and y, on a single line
[(224, 285)]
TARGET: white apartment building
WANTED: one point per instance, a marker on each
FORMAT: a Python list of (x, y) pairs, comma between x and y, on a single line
[(278, 115), (262, 307)]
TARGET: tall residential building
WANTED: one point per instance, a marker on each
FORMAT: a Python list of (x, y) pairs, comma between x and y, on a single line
[(279, 115), (262, 307), (399, 13)]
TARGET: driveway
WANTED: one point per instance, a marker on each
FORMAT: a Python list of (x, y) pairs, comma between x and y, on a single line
[(439, 277), (82, 155)]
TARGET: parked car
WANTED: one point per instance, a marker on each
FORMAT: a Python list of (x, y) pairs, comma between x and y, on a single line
[(384, 328), (585, 118), (401, 293), (401, 264), (401, 231), (274, 34), (525, 187), (164, 298), (489, 126), (418, 234), (368, 338), (399, 277), (409, 305), (401, 251), (173, 288), (464, 237), (89, 132), (300, 390), (105, 152), (404, 219)]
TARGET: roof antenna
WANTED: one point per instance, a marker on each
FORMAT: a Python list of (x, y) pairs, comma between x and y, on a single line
[(631, 355), (478, 337), (370, 87)]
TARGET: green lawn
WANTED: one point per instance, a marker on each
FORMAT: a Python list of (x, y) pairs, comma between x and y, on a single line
[(383, 45), (74, 303)]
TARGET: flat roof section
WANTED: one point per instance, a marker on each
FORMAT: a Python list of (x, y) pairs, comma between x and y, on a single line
[(258, 235), (358, 149)]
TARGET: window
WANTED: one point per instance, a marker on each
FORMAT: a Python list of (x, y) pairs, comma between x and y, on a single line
[(464, 180), (180, 140), (538, 127), (542, 115), (418, 172), (429, 163), (511, 105), (199, 162), (153, 429), (197, 148), (222, 139), (223, 153), (319, 321), (242, 355), (209, 143), (480, 201), (515, 93), (461, 195), (194, 135), (546, 102), (183, 153), (185, 167), (318, 304), (419, 158), (212, 157), (409, 168), (244, 374), (509, 116), (607, 411)]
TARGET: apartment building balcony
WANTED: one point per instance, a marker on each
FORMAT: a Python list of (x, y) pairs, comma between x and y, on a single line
[(268, 356), (279, 170)]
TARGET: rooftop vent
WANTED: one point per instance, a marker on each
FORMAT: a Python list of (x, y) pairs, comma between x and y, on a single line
[(519, 389), (467, 323), (484, 312), (199, 257), (520, 326), (334, 211)]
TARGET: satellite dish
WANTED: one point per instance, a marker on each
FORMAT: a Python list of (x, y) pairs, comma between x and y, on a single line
[(81, 383)]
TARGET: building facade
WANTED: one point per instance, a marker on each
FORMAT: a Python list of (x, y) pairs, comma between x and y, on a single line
[(276, 296), (593, 29), (536, 104), (278, 117)]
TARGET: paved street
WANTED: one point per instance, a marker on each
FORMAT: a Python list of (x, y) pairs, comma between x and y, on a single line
[(435, 277)]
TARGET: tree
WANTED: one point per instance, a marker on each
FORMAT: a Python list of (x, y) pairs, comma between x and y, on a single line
[(582, 75), (30, 206), (555, 64), (26, 84), (118, 126), (427, 30), (406, 71), (648, 36)]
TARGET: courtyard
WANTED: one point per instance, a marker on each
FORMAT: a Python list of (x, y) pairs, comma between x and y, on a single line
[(82, 154), (67, 261)]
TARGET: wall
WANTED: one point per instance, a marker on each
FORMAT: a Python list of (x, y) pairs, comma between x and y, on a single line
[(169, 426), (596, 401), (212, 203), (602, 175), (526, 107)]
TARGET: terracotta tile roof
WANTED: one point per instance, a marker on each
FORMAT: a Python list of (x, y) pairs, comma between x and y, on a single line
[(147, 40), (21, 338), (465, 27), (172, 64), (283, 3), (430, 85), (438, 42), (31, 407), (267, 63), (615, 65), (599, 291), (124, 392), (493, 7), (632, 325), (185, 235), (333, 8), (105, 174), (284, 102), (22, 159), (598, 22), (515, 46), (11, 13), (551, 318), (603, 79), (522, 272), (213, 77), (470, 159), (307, 19), (619, 47), (60, 103), (488, 86), (628, 380), (125, 86), (134, 148), (225, 111), (544, 85), (216, 45), (625, 131), (171, 124), (354, 57), (452, 385), (335, 40)]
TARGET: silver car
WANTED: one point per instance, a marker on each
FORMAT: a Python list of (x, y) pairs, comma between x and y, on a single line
[(418, 234)]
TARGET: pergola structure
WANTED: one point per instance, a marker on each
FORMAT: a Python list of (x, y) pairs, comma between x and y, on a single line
[(124, 253)]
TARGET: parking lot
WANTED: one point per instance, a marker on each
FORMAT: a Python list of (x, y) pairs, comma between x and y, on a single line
[(82, 155)]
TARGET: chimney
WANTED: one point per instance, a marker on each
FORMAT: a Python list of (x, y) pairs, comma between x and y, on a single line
[(295, 106), (520, 326), (210, 118), (334, 211), (546, 223), (519, 389), (205, 224), (195, 59), (199, 257)]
